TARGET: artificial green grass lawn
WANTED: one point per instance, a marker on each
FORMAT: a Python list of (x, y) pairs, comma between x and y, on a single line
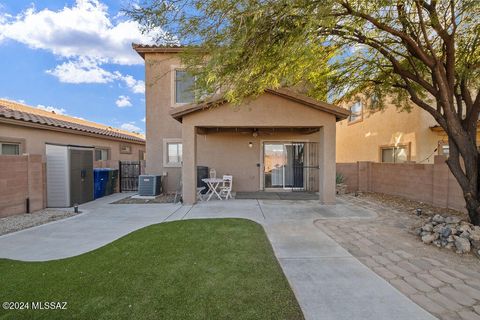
[(192, 269)]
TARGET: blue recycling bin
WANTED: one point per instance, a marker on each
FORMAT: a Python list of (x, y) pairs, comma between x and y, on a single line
[(100, 181)]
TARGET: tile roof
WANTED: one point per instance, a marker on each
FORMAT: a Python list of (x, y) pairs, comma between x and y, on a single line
[(155, 48), (17, 111)]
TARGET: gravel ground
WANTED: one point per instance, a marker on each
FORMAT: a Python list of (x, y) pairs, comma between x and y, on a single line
[(409, 206), (163, 198), (28, 220)]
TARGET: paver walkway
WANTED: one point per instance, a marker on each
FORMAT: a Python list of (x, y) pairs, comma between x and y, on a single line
[(328, 282), (441, 281)]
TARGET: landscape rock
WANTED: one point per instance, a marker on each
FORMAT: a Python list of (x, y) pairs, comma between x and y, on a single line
[(428, 227), (450, 232), (462, 245), (452, 219), (428, 238), (445, 232), (463, 227), (475, 234), (438, 219)]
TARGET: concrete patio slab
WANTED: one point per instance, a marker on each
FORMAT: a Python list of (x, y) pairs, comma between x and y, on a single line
[(328, 282), (246, 209)]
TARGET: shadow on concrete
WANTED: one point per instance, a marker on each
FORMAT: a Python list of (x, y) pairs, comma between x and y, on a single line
[(263, 195)]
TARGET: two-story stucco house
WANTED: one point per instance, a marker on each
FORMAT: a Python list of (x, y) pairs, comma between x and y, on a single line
[(389, 135), (280, 140)]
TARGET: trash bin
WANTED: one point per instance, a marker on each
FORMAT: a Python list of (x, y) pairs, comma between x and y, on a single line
[(202, 173), (100, 180)]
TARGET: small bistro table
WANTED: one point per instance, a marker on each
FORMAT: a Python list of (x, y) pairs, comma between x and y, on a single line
[(212, 184)]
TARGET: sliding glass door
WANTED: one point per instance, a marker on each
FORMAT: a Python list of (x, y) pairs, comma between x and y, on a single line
[(284, 165)]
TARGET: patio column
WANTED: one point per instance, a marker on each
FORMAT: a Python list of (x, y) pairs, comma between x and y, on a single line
[(327, 163), (189, 167)]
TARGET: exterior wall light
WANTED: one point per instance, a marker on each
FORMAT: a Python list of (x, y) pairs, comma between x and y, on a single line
[(250, 145)]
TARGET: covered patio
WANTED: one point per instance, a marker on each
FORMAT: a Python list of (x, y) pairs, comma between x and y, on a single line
[(266, 145)]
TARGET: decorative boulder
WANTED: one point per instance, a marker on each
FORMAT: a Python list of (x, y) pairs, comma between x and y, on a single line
[(462, 245)]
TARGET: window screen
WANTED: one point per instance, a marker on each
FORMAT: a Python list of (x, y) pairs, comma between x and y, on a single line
[(184, 87)]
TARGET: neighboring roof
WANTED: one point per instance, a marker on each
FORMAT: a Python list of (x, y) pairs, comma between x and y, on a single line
[(10, 110), (340, 113), (145, 48)]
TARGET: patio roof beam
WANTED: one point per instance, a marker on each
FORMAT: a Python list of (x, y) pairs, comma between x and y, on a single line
[(259, 131)]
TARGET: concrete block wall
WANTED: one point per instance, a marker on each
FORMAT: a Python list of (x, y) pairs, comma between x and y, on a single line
[(21, 178), (430, 183)]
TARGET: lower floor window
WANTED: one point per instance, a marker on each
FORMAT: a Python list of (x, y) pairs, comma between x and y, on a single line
[(101, 154), (174, 153), (142, 155), (394, 154), (9, 148)]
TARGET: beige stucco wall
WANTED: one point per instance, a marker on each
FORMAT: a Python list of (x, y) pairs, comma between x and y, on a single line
[(361, 141), (159, 81), (33, 141), (228, 154)]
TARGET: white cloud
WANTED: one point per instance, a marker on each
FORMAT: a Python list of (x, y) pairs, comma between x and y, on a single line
[(83, 30), (137, 86), (86, 70), (130, 126), (144, 119), (51, 109), (123, 101)]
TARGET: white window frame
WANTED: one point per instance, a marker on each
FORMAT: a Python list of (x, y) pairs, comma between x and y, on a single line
[(102, 149), (166, 142), (358, 114), (173, 70), (393, 147)]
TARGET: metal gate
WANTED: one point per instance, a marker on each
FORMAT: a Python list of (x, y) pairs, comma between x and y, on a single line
[(305, 166), (129, 172)]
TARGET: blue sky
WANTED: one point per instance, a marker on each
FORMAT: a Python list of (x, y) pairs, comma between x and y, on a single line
[(74, 57)]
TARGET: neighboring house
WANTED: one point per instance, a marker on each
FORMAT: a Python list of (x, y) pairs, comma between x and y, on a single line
[(25, 133), (389, 135), (278, 141), (25, 129)]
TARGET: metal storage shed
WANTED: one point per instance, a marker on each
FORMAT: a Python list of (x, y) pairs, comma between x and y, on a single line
[(69, 175)]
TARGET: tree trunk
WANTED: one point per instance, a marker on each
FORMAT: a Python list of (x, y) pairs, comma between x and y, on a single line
[(466, 173), (473, 208)]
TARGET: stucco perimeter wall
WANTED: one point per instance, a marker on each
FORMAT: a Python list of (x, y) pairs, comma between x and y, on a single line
[(429, 183), (21, 177), (33, 141)]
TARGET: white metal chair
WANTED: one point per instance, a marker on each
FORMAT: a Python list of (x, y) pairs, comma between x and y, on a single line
[(213, 173), (226, 188), (199, 193)]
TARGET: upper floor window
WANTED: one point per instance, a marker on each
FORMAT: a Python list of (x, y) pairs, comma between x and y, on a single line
[(9, 148), (101, 154), (356, 112), (394, 154), (184, 87)]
